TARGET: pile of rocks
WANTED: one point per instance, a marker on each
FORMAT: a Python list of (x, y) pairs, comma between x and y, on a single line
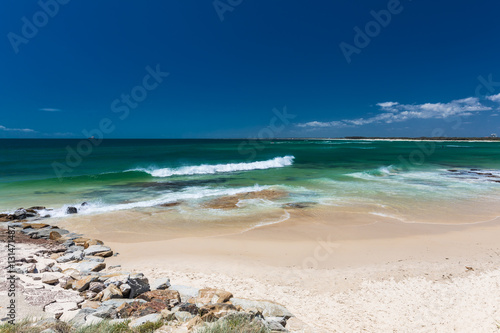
[(79, 289)]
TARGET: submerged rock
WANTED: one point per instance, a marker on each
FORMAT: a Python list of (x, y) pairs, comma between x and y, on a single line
[(71, 210)]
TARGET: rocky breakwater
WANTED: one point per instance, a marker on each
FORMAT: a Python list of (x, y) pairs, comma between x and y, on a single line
[(63, 277)]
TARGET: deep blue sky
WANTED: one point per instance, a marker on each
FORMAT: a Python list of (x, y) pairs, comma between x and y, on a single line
[(226, 77)]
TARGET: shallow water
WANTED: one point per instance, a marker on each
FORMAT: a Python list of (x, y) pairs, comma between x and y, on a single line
[(456, 182)]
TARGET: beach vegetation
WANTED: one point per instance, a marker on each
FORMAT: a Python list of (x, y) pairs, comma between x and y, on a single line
[(235, 324), (26, 326)]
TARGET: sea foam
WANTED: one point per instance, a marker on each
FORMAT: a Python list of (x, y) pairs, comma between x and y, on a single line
[(204, 169)]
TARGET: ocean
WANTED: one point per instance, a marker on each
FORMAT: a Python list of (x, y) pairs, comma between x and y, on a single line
[(411, 181)]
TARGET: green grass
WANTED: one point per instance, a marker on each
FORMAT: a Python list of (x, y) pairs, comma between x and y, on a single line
[(62, 327), (234, 324)]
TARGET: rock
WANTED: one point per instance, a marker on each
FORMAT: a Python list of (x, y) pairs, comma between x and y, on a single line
[(117, 280), (50, 279), (194, 322), (73, 273), (80, 241), (35, 226), (68, 243), (164, 295), (170, 204), (160, 284), (96, 287), (267, 308), (138, 285), (125, 289), (211, 296), (77, 318), (54, 235), (92, 320), (105, 254), (85, 203), (90, 304), (77, 255), (55, 256), (74, 248), (296, 325), (31, 269), (167, 314), (89, 266), (185, 292), (152, 318), (90, 295), (66, 282), (71, 210), (105, 311), (84, 283), (94, 259), (216, 310), (183, 316), (19, 214), (91, 250), (91, 242), (119, 301), (111, 292), (274, 326), (37, 208), (231, 201), (60, 308), (298, 205)]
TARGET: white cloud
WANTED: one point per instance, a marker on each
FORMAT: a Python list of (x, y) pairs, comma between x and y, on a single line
[(50, 110), (393, 112), (26, 130), (494, 98)]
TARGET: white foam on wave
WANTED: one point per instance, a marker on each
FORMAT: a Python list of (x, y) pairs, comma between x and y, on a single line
[(192, 193), (204, 169)]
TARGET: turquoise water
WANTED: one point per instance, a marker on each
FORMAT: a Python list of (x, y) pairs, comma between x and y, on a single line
[(406, 179)]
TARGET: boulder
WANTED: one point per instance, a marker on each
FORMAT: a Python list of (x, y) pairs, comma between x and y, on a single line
[(74, 248), (70, 256), (89, 266), (54, 235), (90, 304), (80, 241), (194, 322), (91, 242), (216, 311), (161, 284), (267, 308), (183, 316), (58, 308), (71, 210), (37, 208), (125, 289), (96, 287), (91, 250), (167, 314), (164, 295), (50, 279), (84, 283), (138, 285), (185, 292), (105, 254), (152, 318), (117, 279), (19, 214), (211, 296), (66, 282), (111, 292)]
